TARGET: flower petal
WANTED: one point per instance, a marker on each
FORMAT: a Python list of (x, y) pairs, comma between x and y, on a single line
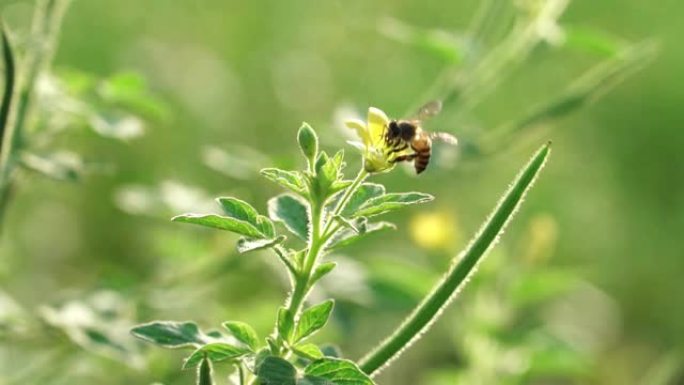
[(377, 121), (360, 127), (358, 145)]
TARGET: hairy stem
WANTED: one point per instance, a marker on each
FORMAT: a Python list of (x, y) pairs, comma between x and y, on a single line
[(429, 310), (320, 233)]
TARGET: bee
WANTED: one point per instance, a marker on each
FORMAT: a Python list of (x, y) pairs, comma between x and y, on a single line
[(404, 133)]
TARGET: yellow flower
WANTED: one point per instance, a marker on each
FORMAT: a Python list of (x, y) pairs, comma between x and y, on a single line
[(377, 155)]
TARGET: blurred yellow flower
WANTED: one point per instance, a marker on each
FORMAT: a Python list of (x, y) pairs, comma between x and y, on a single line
[(434, 230), (377, 155)]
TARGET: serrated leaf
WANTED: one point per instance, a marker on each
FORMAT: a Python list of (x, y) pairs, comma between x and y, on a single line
[(238, 209), (204, 373), (243, 333), (276, 371), (291, 180), (335, 371), (245, 245), (284, 323), (347, 237), (308, 351), (313, 319), (220, 222), (390, 202), (215, 352), (292, 212), (322, 270), (364, 193), (170, 334)]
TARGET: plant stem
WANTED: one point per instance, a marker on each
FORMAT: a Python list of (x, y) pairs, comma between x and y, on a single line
[(45, 28), (429, 310), (317, 239)]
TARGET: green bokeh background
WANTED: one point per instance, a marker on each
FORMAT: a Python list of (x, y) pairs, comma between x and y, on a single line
[(247, 73)]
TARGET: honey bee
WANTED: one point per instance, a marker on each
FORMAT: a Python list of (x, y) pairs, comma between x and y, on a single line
[(404, 133)]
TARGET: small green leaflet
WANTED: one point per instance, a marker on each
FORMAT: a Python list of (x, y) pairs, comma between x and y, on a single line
[(292, 212), (284, 323), (238, 209), (291, 180), (308, 351), (347, 237), (220, 222), (390, 202), (335, 371), (313, 319), (322, 270), (170, 334), (243, 333), (215, 352), (365, 192), (245, 245), (276, 371)]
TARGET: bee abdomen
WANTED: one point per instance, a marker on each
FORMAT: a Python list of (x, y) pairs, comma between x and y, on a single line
[(422, 160)]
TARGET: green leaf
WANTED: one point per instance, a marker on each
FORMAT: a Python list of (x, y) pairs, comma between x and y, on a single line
[(308, 143), (204, 373), (217, 351), (284, 323), (292, 212), (390, 202), (432, 306), (220, 222), (243, 333), (245, 245), (313, 319), (308, 351), (347, 237), (238, 209), (266, 226), (291, 180), (322, 270), (10, 80), (363, 194), (170, 334), (276, 371), (328, 178), (335, 371)]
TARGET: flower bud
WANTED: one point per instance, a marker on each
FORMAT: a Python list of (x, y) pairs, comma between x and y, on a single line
[(308, 142)]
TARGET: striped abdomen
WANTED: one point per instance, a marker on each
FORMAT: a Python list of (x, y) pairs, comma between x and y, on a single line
[(422, 145)]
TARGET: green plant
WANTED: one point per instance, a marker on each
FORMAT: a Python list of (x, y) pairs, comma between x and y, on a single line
[(327, 212)]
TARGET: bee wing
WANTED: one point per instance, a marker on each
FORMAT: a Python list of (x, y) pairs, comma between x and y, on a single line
[(444, 137), (428, 110)]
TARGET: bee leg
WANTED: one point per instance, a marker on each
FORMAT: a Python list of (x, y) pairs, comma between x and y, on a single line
[(406, 158), (398, 149)]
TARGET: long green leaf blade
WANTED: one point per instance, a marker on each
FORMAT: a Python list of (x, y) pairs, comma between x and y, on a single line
[(429, 310), (10, 79)]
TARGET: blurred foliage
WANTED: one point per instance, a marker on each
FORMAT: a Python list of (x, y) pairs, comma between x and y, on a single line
[(584, 293)]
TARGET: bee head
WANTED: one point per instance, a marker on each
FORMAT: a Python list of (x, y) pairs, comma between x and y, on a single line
[(393, 130)]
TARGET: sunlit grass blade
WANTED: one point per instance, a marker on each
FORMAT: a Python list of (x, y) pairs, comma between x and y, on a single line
[(429, 310)]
